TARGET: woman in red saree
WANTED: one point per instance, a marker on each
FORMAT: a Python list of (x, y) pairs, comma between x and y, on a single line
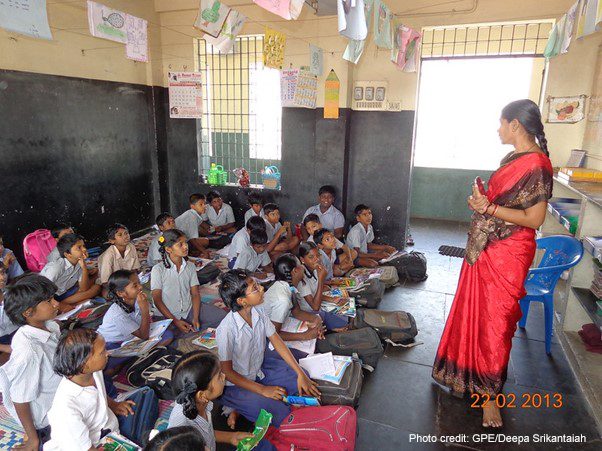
[(475, 346)]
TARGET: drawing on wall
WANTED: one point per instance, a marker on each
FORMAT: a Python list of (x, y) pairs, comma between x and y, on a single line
[(211, 17), (26, 17), (106, 23), (566, 110)]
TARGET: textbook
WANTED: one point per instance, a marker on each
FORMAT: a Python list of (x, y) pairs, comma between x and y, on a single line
[(346, 309), (393, 256), (136, 346), (207, 340), (117, 442)]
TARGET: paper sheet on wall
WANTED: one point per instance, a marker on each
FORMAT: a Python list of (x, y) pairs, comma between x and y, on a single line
[(296, 8), (316, 60), (351, 16), (331, 96), (211, 17), (185, 95), (556, 39), (26, 17), (382, 25), (288, 83), (227, 37), (298, 88), (569, 27), (106, 23), (281, 8), (355, 48), (273, 48), (587, 18), (136, 47), (406, 48)]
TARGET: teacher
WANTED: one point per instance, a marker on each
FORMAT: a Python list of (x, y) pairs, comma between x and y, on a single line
[(475, 346)]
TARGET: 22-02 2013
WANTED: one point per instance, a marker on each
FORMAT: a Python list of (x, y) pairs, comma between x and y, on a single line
[(522, 401)]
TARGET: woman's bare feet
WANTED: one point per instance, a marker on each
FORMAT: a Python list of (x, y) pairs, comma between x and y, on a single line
[(232, 419), (492, 417)]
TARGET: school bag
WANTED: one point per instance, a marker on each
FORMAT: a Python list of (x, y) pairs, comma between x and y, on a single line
[(137, 427), (36, 247), (394, 327), (347, 393), (411, 267), (88, 318), (150, 368), (387, 275), (208, 273), (363, 342), (368, 294), (325, 428), (218, 241)]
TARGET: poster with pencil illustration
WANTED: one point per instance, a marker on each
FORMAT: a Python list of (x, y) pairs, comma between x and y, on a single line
[(211, 17), (227, 37), (106, 23)]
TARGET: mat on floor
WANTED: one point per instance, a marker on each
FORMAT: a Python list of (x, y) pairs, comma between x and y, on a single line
[(452, 251)]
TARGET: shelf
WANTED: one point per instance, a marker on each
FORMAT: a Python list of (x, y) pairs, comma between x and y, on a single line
[(589, 191), (588, 302)]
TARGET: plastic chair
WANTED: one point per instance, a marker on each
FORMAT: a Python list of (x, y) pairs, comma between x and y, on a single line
[(561, 252)]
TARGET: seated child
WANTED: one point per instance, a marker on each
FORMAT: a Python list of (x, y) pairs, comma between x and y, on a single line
[(220, 214), (164, 221), (7, 327), (339, 256), (252, 384), (9, 261), (122, 254), (74, 281), (181, 438), (190, 221), (29, 381), (197, 381), (256, 204), (58, 231), (254, 256), (82, 413), (175, 287), (312, 286), (242, 238), (280, 236), (361, 237), (330, 217)]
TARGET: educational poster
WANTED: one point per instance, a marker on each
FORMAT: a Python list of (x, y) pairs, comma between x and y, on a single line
[(355, 48), (288, 83), (27, 17), (281, 8), (316, 60), (370, 96), (185, 95), (406, 48), (556, 39), (382, 25), (273, 48), (352, 21), (211, 17), (106, 23), (331, 96), (296, 8), (569, 27), (227, 37), (566, 110), (136, 47), (298, 88), (587, 18)]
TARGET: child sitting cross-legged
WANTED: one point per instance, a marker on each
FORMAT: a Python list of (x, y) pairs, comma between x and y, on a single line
[(361, 237), (219, 214), (7, 327), (254, 256), (164, 222), (280, 236), (58, 231), (343, 256), (122, 254), (190, 223), (256, 204), (242, 238), (326, 242)]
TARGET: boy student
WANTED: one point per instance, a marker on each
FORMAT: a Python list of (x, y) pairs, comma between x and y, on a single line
[(345, 256), (254, 256), (58, 231), (326, 242), (164, 222), (9, 261), (256, 204), (189, 222), (361, 237), (330, 217), (74, 281), (242, 238), (220, 214), (29, 381), (122, 254), (280, 236)]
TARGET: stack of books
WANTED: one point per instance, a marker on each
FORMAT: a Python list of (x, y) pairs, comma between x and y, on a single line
[(580, 175)]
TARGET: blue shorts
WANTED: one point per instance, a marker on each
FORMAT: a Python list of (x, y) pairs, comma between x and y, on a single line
[(70, 292), (6, 339)]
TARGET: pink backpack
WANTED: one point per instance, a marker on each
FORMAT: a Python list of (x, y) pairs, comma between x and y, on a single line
[(36, 247)]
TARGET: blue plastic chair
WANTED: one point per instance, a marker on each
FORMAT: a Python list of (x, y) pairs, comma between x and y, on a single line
[(561, 252)]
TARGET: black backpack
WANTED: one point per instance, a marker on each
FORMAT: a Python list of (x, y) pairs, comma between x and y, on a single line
[(393, 327), (365, 343), (411, 267), (154, 369), (208, 273), (368, 294)]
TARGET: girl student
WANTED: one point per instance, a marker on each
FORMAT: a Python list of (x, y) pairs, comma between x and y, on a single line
[(175, 287), (312, 286)]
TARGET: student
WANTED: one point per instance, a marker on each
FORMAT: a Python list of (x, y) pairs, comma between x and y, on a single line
[(242, 238), (327, 244), (181, 438), (280, 236), (197, 381), (175, 287), (58, 231), (253, 385), (74, 281), (189, 223), (122, 254), (312, 286), (256, 204), (254, 256), (7, 327), (164, 222), (345, 256), (361, 237), (29, 378), (9, 261), (220, 214), (330, 217), (82, 413)]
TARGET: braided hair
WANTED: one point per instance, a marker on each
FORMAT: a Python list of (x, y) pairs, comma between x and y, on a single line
[(527, 113), (117, 282), (284, 266), (168, 239), (191, 374), (304, 249)]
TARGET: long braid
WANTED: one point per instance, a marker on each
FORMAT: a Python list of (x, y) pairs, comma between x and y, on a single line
[(543, 142)]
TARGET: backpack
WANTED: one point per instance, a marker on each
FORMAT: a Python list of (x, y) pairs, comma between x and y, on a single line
[(347, 393), (393, 327), (89, 318), (363, 342), (208, 273), (146, 411), (369, 294), (148, 370), (218, 241), (411, 267), (325, 428), (36, 247)]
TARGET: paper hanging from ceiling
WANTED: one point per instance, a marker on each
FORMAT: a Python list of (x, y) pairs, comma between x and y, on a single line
[(136, 47), (281, 8), (298, 88), (296, 8), (406, 48), (599, 16), (227, 37), (26, 17), (587, 18), (316, 60), (556, 39), (273, 48), (382, 25), (106, 23), (211, 17), (185, 95), (352, 19), (331, 96), (355, 48), (569, 27)]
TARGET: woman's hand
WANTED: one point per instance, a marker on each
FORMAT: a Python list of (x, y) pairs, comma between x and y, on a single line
[(307, 387), (478, 202)]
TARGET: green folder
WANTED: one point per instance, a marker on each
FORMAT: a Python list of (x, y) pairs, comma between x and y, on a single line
[(261, 427)]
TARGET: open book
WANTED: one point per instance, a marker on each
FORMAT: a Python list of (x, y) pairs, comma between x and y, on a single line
[(117, 442), (136, 346), (294, 325), (346, 309), (393, 256), (326, 367), (207, 340)]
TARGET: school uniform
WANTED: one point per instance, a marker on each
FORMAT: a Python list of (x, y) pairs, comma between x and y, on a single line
[(250, 260), (53, 256), (189, 222), (111, 260), (7, 327), (224, 216), (244, 346), (278, 301), (65, 275), (14, 270), (359, 237), (328, 260), (79, 416), (250, 213), (117, 324), (240, 240), (309, 287), (271, 229), (338, 243), (154, 256), (331, 219), (204, 426)]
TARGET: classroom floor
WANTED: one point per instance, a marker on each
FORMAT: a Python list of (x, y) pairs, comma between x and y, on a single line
[(400, 398)]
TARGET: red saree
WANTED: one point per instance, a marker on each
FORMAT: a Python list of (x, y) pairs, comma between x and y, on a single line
[(475, 346)]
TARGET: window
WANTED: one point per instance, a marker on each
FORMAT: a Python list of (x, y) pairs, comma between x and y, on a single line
[(242, 114)]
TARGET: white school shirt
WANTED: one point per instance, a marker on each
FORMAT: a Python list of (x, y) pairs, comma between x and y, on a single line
[(117, 325), (175, 286), (359, 237), (250, 213), (307, 287), (189, 222), (204, 426), (271, 229), (224, 216), (53, 256), (338, 243), (328, 261), (111, 261), (240, 240), (244, 345), (29, 372), (250, 260), (154, 256), (78, 415), (331, 219), (63, 274), (7, 327), (278, 301)]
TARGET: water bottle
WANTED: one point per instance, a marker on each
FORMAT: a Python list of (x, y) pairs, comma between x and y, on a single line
[(213, 178)]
